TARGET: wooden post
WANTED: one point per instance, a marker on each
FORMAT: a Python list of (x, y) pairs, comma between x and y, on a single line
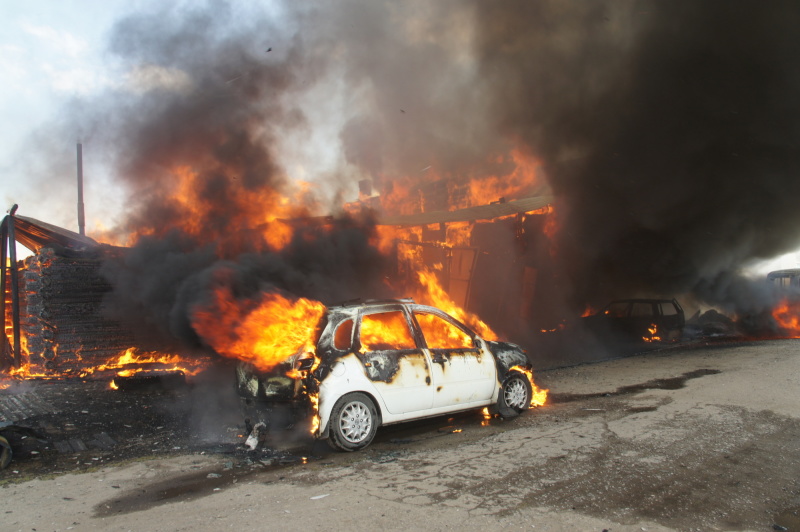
[(5, 355), (81, 216), (12, 253)]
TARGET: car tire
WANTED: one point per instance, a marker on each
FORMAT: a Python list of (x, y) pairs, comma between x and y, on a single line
[(354, 421), (5, 453), (515, 395)]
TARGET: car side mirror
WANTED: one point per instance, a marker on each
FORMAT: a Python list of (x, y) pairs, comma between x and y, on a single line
[(305, 362)]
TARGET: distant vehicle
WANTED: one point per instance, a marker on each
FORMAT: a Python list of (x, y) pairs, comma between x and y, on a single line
[(785, 279), (384, 362), (638, 320)]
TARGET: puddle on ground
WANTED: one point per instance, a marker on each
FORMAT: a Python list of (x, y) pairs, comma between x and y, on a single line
[(788, 519), (673, 383), (209, 480)]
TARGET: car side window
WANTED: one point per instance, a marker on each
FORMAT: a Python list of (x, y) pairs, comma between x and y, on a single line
[(384, 331), (642, 309), (668, 309), (617, 310), (343, 338), (441, 334)]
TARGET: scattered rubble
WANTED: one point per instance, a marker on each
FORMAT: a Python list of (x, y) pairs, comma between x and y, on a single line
[(55, 426), (710, 324)]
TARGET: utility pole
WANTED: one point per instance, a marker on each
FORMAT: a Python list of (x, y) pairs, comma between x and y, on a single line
[(81, 218)]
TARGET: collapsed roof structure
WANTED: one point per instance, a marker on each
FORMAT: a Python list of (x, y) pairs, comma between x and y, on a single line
[(53, 299)]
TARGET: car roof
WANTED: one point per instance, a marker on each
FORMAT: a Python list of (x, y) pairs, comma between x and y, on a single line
[(349, 309), (792, 272), (372, 303)]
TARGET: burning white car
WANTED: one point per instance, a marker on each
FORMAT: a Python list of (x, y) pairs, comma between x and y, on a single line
[(383, 362)]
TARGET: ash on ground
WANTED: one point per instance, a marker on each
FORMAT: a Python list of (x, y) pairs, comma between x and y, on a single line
[(56, 426)]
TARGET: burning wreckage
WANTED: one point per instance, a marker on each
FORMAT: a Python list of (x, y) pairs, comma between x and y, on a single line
[(359, 365), (371, 364), (382, 362)]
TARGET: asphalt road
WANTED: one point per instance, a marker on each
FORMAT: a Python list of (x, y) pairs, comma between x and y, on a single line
[(694, 438)]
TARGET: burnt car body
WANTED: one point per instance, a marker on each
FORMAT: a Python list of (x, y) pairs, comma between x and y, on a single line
[(638, 320), (384, 362)]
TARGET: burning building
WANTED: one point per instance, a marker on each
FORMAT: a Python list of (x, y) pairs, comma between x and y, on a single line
[(54, 309), (55, 322), (485, 257)]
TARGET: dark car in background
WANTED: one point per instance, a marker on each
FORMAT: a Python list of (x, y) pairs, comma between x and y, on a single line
[(638, 321)]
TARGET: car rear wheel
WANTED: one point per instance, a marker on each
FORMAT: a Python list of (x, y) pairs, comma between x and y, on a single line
[(354, 422), (515, 395), (5, 453)]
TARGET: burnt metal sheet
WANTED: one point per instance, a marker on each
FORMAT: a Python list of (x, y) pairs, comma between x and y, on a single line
[(35, 234)]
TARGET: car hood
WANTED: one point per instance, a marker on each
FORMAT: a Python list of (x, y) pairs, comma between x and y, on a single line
[(507, 355)]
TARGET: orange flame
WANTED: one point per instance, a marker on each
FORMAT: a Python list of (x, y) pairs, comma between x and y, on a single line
[(538, 395), (386, 330), (653, 334), (265, 335), (127, 363), (132, 361), (787, 316), (314, 400), (435, 296), (256, 217), (440, 333)]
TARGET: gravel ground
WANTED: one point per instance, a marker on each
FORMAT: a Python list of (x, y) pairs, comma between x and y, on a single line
[(705, 437)]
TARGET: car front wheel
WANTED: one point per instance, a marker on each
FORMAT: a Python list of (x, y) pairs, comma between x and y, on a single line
[(515, 395), (354, 421)]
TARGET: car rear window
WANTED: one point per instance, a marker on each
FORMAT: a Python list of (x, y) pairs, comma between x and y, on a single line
[(384, 331), (668, 309), (343, 338)]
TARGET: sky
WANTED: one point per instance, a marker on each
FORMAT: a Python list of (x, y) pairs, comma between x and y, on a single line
[(50, 54), (55, 61)]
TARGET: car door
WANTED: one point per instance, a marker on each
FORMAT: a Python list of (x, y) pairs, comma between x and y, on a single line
[(672, 320), (462, 373), (394, 361), (642, 321)]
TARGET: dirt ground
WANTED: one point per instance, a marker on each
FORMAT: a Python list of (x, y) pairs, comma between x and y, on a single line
[(694, 438)]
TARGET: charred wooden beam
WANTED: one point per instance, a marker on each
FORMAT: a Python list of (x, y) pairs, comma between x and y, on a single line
[(150, 381), (12, 252), (6, 347), (81, 216)]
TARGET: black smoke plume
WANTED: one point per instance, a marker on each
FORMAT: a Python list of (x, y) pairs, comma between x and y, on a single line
[(213, 104), (667, 130)]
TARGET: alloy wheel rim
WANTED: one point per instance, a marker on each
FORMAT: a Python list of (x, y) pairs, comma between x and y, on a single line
[(515, 394), (355, 422)]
